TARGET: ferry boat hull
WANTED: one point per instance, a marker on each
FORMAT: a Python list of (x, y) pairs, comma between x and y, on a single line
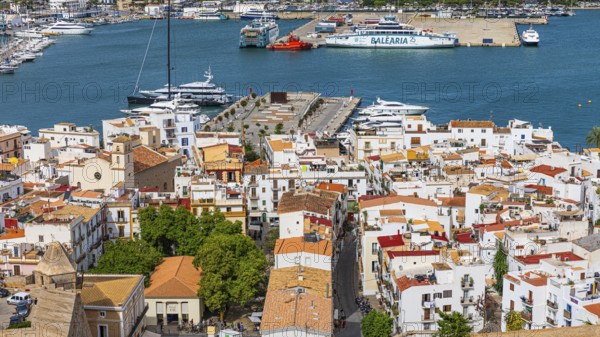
[(259, 34), (391, 41)]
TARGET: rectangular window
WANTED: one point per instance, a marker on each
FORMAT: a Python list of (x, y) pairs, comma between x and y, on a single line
[(102, 331), (512, 305), (437, 295), (460, 131), (102, 314), (447, 308), (41, 238), (512, 287), (184, 142), (373, 266), (374, 248), (121, 215), (447, 293), (184, 129)]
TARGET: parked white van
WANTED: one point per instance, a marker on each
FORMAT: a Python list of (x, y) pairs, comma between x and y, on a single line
[(18, 297)]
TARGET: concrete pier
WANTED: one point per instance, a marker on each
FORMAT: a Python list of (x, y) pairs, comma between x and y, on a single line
[(261, 116)]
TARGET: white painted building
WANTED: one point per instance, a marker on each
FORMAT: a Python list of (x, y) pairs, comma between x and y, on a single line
[(65, 134)]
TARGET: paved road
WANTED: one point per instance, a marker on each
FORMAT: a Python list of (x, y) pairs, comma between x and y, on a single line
[(346, 281)]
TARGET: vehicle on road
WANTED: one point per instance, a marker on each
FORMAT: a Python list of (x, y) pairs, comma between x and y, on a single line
[(4, 292), (18, 297), (22, 309)]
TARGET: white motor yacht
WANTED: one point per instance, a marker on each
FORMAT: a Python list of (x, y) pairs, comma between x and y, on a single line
[(67, 28)]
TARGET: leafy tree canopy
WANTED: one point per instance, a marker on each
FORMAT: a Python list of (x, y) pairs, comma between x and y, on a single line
[(453, 325), (376, 324), (128, 257)]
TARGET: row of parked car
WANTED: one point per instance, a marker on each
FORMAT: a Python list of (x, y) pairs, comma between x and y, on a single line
[(22, 302)]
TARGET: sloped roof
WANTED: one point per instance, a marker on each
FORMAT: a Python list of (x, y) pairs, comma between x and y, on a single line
[(145, 158), (471, 124), (548, 170), (298, 244), (393, 199), (175, 277), (56, 261), (108, 290), (319, 202)]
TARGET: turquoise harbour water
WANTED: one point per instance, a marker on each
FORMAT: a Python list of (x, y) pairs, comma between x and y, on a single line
[(85, 79)]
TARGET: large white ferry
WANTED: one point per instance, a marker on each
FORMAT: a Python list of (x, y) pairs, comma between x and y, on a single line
[(259, 33), (390, 33), (530, 37)]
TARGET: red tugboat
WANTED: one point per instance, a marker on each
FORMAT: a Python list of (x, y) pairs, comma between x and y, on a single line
[(293, 43)]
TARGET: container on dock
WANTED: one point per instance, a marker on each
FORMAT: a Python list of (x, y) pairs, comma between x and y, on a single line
[(488, 41), (325, 27)]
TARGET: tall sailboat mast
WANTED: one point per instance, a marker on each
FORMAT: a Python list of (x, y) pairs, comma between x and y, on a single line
[(169, 47)]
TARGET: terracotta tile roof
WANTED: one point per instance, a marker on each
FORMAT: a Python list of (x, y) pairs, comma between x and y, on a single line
[(454, 201), (175, 277), (87, 194), (512, 279), (593, 309), (392, 157), (280, 145), (340, 188), (536, 281), (548, 170), (75, 210), (145, 158), (386, 241), (535, 259), (451, 156), (393, 199), (405, 283), (313, 280), (320, 202), (471, 124), (13, 234), (108, 290), (298, 244), (288, 310), (486, 189)]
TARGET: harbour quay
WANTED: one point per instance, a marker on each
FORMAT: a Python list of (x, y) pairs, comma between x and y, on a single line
[(281, 112), (470, 32)]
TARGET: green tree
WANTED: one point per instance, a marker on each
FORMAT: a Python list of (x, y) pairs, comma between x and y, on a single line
[(452, 325), (230, 127), (226, 114), (376, 324), (244, 103), (128, 257), (278, 128), (233, 270), (253, 95), (257, 104), (514, 322), (500, 268), (593, 137), (170, 231), (271, 239), (250, 154)]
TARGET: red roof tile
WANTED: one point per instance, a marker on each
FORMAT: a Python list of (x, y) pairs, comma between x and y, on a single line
[(465, 238), (390, 241), (541, 188), (535, 259), (548, 170)]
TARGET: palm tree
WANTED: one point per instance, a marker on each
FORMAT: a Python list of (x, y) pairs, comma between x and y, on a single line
[(593, 137)]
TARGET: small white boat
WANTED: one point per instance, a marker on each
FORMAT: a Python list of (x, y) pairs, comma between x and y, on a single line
[(530, 37)]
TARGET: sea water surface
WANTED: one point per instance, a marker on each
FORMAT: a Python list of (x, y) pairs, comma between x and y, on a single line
[(84, 79)]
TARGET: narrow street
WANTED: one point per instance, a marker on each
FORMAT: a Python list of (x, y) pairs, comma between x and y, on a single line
[(346, 286)]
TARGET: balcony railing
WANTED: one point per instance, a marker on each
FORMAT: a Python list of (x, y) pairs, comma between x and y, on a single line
[(467, 285), (427, 318), (550, 321), (253, 196), (552, 305), (467, 301), (567, 314), (527, 301), (526, 316)]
